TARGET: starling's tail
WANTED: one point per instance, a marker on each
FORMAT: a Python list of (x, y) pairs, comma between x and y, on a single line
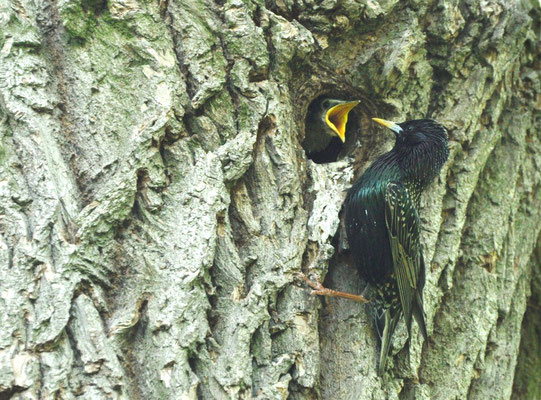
[(386, 322)]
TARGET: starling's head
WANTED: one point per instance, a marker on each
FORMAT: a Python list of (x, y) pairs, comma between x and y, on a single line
[(332, 116), (421, 146)]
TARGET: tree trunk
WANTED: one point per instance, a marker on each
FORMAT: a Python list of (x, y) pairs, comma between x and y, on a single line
[(157, 206)]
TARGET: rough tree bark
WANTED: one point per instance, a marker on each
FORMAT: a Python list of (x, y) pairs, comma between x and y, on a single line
[(156, 204)]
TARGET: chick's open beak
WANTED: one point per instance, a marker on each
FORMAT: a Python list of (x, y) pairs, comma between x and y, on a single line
[(337, 118), (389, 124)]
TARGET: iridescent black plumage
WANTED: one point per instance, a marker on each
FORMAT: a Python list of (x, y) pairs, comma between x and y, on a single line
[(383, 225)]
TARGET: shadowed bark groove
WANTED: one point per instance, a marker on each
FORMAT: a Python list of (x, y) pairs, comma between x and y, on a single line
[(156, 205)]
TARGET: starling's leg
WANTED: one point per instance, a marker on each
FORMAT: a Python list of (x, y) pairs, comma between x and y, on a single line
[(320, 290)]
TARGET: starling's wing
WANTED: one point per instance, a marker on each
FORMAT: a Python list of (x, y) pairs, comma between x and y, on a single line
[(386, 321), (403, 226)]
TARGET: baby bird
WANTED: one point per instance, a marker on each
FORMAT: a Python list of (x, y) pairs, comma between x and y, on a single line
[(326, 119)]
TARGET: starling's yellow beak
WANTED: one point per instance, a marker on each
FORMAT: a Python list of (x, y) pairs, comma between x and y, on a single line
[(337, 118), (389, 124)]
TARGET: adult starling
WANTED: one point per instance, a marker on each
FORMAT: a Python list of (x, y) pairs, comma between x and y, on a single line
[(326, 119), (383, 226)]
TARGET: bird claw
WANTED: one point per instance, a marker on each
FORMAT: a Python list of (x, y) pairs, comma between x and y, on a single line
[(317, 286), (320, 290)]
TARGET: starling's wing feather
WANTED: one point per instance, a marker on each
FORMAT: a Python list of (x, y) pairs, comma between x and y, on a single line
[(403, 226), (390, 317), (419, 314), (418, 311)]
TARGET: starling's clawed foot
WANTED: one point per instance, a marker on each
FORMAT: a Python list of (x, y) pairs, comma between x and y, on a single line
[(320, 290), (314, 284)]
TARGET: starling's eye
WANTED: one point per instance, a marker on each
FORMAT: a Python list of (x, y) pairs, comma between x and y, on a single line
[(326, 104)]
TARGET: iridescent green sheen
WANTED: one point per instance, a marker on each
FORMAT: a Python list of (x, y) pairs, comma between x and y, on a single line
[(383, 225)]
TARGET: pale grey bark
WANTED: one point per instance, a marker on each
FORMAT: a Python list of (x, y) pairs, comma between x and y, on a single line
[(156, 204)]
